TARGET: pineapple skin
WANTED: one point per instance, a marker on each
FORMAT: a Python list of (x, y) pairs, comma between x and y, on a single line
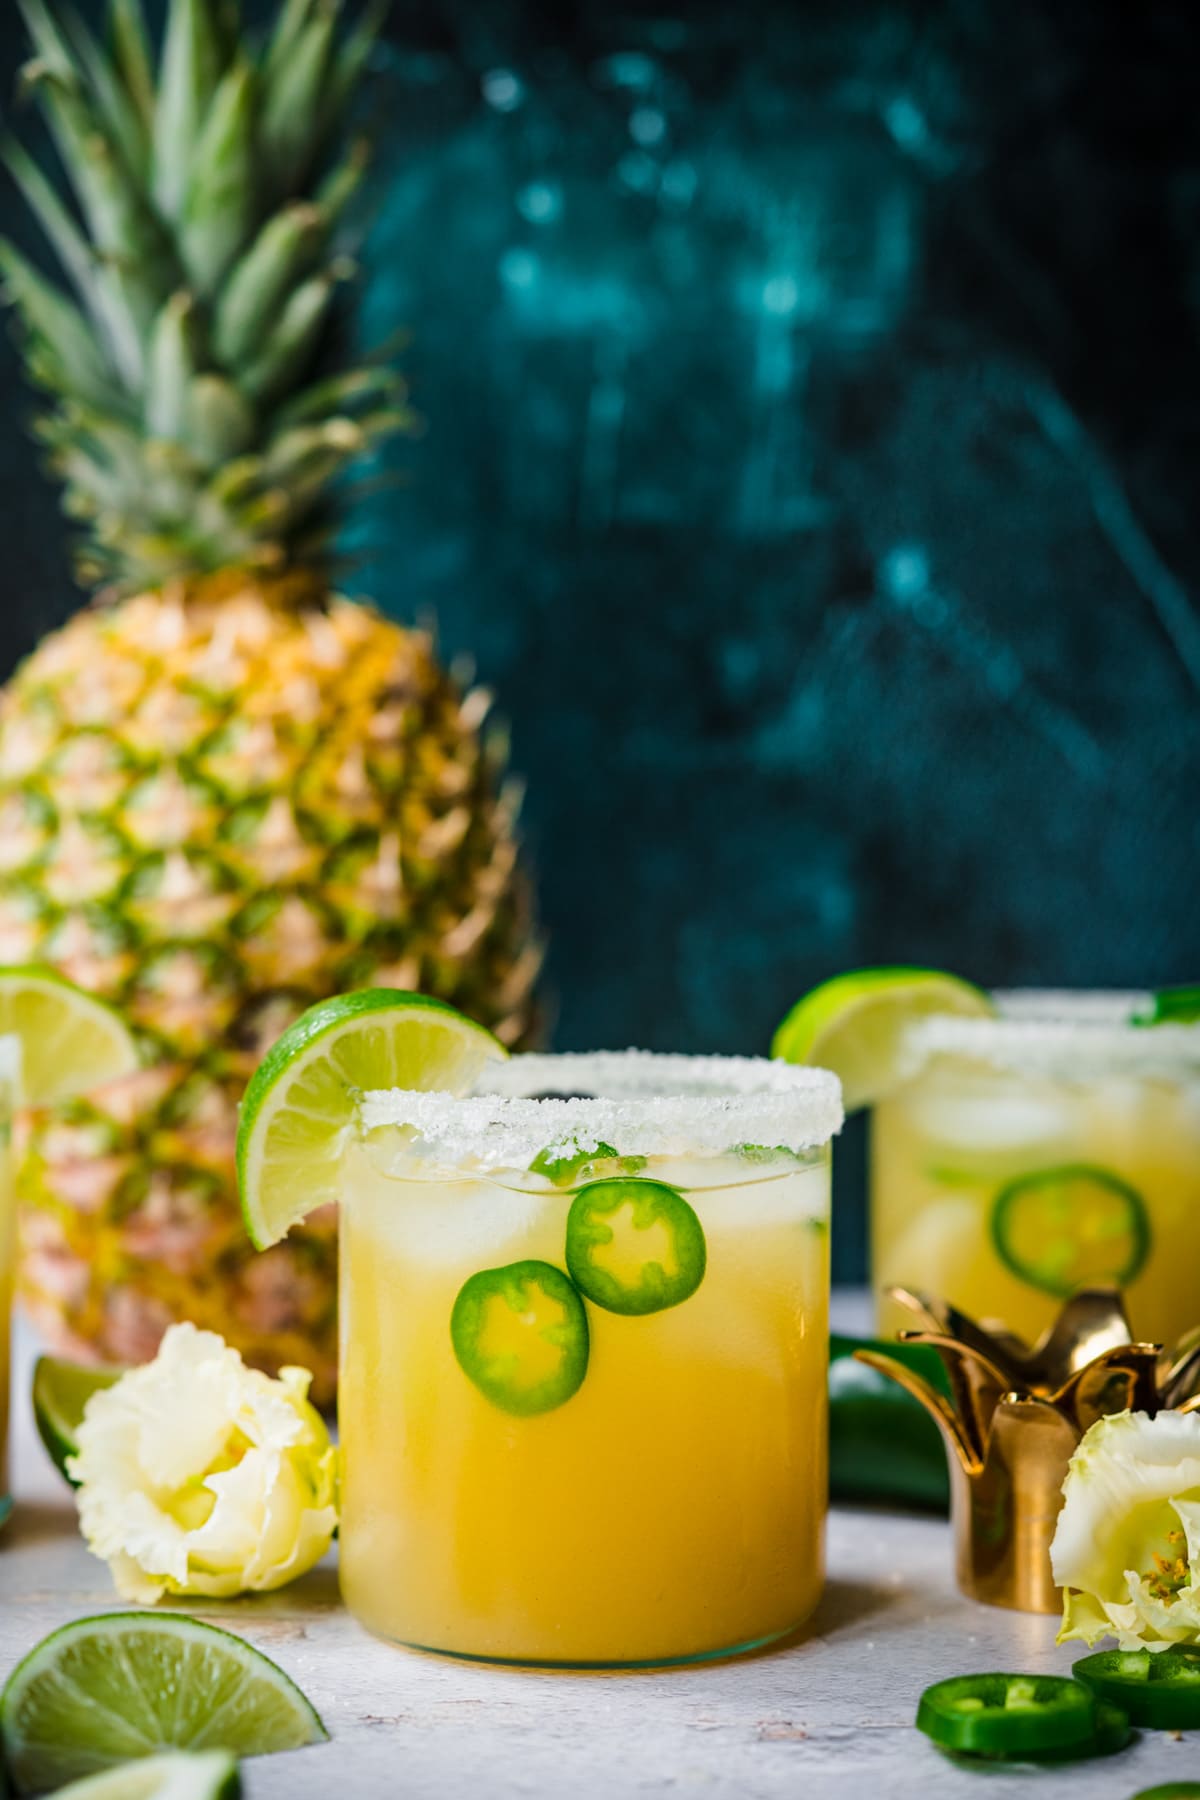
[(219, 803)]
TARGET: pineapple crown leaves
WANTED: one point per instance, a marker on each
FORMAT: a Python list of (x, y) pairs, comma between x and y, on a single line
[(202, 242)]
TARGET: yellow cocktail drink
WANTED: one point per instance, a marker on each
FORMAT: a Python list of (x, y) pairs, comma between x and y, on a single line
[(1034, 1153), (583, 1402)]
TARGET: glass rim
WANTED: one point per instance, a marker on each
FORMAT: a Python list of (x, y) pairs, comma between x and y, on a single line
[(1058, 1031), (637, 1102)]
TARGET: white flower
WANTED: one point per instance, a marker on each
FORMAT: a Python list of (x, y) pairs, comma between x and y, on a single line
[(198, 1475), (1127, 1548)]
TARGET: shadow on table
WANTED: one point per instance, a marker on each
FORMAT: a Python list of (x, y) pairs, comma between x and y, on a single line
[(36, 1522)]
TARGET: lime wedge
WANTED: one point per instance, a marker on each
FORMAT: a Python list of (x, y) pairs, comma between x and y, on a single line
[(69, 1041), (855, 1024), (103, 1691), (299, 1106), (1062, 1229), (213, 1775), (61, 1390)]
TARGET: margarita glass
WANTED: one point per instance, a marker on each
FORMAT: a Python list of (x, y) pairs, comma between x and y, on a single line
[(1051, 1146), (583, 1369)]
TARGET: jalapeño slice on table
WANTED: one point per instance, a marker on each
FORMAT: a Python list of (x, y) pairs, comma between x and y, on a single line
[(1170, 1790), (1065, 1228), (564, 1163), (634, 1245), (1008, 1715), (1158, 1689), (520, 1333)]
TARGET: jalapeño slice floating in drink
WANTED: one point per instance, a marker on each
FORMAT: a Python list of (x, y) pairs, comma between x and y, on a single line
[(634, 1245), (520, 1333), (1061, 1229), (565, 1164)]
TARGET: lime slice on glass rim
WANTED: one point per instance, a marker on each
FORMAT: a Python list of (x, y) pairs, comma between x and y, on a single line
[(210, 1775), (70, 1042), (61, 1391), (104, 1691), (855, 1024), (1065, 1228), (299, 1105)]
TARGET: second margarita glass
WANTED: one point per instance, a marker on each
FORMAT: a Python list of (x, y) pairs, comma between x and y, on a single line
[(584, 1328), (1036, 1151)]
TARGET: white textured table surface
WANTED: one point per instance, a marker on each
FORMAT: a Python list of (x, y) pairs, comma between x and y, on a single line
[(830, 1714)]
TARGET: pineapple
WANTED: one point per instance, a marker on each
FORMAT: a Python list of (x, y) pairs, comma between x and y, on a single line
[(224, 790)]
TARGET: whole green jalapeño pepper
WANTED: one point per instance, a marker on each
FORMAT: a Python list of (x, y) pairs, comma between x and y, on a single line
[(634, 1246), (883, 1445)]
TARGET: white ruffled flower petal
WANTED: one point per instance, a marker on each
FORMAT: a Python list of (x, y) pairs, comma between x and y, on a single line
[(1126, 1551), (200, 1476)]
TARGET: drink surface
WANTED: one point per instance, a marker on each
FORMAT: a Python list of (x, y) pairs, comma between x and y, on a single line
[(672, 1505), (1003, 1189)]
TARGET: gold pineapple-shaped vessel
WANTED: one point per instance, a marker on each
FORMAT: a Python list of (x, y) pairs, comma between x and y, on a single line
[(1015, 1415), (225, 791)]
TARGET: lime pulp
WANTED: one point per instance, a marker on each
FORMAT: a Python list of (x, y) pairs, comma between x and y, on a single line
[(106, 1690)]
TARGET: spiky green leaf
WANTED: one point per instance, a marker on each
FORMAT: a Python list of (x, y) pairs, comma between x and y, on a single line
[(131, 58), (222, 198), (193, 61), (258, 287), (172, 368), (91, 281), (289, 350), (116, 109), (69, 359), (292, 123), (220, 424)]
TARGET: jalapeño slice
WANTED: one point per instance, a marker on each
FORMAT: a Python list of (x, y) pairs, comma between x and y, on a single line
[(1170, 1790), (564, 1163), (1062, 1229), (634, 1245), (1158, 1689), (520, 1333), (1008, 1715)]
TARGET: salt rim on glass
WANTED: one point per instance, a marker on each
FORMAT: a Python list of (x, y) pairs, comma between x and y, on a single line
[(641, 1102), (1064, 1034)]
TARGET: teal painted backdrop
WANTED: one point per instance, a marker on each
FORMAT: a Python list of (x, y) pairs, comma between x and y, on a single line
[(811, 417)]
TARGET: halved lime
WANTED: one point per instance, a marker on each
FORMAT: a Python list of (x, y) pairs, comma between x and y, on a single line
[(855, 1024), (212, 1775), (106, 1690), (61, 1390), (70, 1042), (299, 1105), (1066, 1228)]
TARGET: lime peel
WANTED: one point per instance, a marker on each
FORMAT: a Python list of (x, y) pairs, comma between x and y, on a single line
[(70, 1041), (108, 1689), (299, 1107), (856, 1024)]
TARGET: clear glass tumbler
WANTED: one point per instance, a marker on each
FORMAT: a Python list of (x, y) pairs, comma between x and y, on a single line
[(583, 1382), (1037, 1152)]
